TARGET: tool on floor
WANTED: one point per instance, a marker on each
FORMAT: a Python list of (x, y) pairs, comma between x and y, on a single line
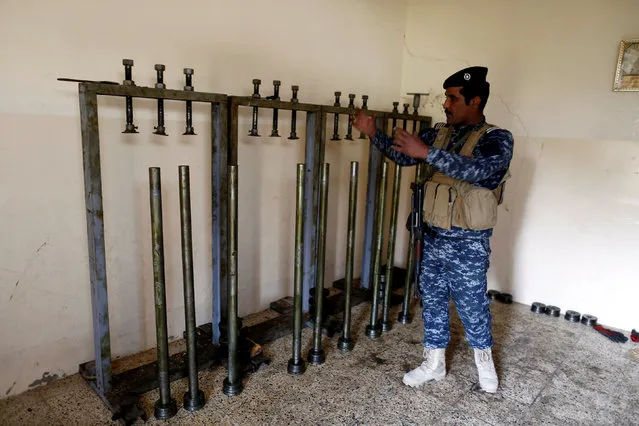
[(615, 336), (294, 100), (345, 343), (128, 81), (634, 336), (276, 97), (572, 316), (538, 307), (256, 95), (160, 129), (188, 73)]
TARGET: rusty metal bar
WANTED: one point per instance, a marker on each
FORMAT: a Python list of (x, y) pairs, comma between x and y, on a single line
[(375, 158), (388, 282), (153, 93), (95, 237), (219, 194), (270, 103), (314, 157)]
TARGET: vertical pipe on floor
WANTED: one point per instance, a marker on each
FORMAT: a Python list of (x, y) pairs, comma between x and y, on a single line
[(345, 343), (316, 355), (296, 364), (374, 328), (165, 406), (388, 287), (233, 382), (193, 397)]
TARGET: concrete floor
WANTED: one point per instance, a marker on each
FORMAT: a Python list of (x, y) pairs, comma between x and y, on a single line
[(551, 371)]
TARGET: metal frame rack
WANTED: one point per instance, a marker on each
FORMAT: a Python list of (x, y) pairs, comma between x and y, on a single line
[(115, 389)]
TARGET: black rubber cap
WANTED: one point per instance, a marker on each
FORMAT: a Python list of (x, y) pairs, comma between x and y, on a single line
[(492, 294), (553, 311), (572, 316), (590, 320), (538, 307), (505, 298)]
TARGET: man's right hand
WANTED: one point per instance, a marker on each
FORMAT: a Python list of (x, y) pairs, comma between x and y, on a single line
[(363, 123)]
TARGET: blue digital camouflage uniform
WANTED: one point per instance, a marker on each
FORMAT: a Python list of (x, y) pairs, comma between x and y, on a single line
[(454, 262)]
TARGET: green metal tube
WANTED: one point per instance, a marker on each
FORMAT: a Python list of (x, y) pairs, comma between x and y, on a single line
[(345, 343), (374, 328), (296, 364), (194, 397), (233, 383), (316, 355), (165, 406), (386, 326)]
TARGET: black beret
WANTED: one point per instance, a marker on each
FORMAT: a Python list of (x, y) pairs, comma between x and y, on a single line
[(468, 77)]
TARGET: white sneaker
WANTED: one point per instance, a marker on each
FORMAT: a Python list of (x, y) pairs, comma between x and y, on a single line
[(486, 370), (432, 368)]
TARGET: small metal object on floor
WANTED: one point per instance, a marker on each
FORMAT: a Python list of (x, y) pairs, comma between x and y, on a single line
[(538, 307), (572, 316), (492, 294), (553, 311), (588, 319), (505, 298)]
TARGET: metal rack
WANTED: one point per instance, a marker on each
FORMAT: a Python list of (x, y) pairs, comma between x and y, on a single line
[(115, 390)]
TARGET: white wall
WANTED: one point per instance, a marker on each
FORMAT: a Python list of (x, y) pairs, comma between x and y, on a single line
[(568, 229), (45, 313)]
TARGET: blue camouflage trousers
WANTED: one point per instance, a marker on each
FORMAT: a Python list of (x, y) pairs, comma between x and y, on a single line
[(455, 267)]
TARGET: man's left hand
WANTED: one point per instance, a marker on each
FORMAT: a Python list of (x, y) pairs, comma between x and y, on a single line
[(409, 144)]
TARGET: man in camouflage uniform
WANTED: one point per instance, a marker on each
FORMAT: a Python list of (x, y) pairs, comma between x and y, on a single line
[(455, 255)]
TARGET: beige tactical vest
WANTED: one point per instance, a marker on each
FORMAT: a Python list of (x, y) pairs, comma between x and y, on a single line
[(452, 202)]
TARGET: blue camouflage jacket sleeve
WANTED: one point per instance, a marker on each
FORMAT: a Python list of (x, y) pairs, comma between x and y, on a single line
[(385, 145), (492, 154)]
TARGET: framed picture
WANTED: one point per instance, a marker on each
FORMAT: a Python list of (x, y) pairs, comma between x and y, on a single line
[(627, 74)]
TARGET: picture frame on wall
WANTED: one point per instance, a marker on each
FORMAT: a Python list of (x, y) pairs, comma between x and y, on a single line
[(627, 73)]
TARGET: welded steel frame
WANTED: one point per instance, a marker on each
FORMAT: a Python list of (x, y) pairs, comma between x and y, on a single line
[(88, 98)]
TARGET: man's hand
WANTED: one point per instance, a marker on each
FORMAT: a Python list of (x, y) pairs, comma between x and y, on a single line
[(363, 123), (409, 144)]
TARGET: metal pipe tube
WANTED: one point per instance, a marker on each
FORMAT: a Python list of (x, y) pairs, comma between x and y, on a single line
[(296, 364), (232, 383), (345, 343), (194, 397), (388, 288), (374, 328), (165, 406), (316, 355)]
